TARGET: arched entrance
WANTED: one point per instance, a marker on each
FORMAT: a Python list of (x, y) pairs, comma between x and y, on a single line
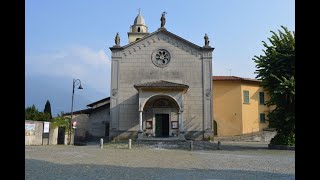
[(161, 109), (161, 116)]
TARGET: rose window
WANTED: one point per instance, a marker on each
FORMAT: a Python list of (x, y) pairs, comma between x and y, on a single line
[(161, 57)]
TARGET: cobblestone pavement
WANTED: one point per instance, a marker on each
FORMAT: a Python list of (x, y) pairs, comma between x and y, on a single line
[(234, 161)]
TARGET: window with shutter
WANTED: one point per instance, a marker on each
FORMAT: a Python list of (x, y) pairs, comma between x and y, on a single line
[(262, 118), (246, 97), (261, 97)]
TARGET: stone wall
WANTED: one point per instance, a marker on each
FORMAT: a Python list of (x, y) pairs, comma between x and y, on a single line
[(98, 119), (82, 124), (262, 136), (33, 136), (53, 136)]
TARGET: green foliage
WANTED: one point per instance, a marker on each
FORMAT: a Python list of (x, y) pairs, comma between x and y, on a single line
[(47, 109), (32, 113), (210, 138), (42, 117), (276, 69), (61, 121), (284, 139)]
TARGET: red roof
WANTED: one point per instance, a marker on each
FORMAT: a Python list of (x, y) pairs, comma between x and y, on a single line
[(233, 78)]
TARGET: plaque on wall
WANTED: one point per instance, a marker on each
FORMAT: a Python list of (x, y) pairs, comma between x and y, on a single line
[(148, 124), (174, 125)]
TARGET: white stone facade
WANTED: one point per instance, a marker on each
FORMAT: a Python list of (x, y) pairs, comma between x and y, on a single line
[(189, 65)]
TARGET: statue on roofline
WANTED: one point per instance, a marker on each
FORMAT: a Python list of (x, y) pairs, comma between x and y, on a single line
[(206, 40), (117, 40), (163, 19)]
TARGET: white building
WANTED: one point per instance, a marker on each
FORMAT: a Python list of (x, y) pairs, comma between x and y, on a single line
[(160, 85)]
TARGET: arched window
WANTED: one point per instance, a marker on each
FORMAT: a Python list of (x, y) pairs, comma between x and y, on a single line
[(138, 29)]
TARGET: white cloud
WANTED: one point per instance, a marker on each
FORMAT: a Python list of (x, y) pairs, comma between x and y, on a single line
[(93, 67)]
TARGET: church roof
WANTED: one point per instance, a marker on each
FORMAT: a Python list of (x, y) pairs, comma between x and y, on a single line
[(165, 31), (161, 84)]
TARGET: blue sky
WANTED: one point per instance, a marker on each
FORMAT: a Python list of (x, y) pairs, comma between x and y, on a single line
[(71, 39)]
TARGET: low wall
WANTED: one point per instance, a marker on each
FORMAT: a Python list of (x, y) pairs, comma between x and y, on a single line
[(34, 134), (262, 136), (53, 136)]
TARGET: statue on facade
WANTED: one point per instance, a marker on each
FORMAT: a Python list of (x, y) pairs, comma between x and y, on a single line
[(206, 40), (163, 19), (117, 40)]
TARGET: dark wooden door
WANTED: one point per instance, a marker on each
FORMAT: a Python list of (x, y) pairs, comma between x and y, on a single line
[(61, 135), (165, 125), (162, 125), (107, 129)]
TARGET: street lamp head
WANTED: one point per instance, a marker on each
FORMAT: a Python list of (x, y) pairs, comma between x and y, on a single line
[(80, 87)]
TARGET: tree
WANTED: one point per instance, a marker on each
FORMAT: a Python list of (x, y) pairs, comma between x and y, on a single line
[(32, 113), (47, 109), (276, 70)]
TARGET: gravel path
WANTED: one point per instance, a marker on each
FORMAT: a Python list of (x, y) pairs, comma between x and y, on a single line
[(234, 161)]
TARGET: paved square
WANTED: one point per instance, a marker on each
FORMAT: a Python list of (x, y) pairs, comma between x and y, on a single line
[(234, 161)]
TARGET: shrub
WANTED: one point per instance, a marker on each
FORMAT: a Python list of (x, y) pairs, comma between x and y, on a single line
[(283, 139)]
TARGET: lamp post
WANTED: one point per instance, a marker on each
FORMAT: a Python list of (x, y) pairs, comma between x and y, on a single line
[(76, 82)]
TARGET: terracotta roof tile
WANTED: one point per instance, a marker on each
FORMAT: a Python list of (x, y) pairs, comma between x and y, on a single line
[(233, 78)]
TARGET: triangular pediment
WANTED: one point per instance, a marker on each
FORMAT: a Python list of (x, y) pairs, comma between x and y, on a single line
[(160, 33), (163, 35)]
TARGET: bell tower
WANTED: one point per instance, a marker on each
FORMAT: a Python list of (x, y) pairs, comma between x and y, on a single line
[(138, 29)]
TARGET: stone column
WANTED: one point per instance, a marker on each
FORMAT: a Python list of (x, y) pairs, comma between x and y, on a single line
[(182, 128), (140, 121), (140, 132), (181, 133), (179, 117), (207, 126)]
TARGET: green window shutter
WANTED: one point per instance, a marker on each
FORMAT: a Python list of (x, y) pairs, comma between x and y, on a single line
[(261, 97), (246, 97), (262, 117)]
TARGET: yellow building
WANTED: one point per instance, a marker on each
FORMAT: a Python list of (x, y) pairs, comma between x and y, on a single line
[(238, 106)]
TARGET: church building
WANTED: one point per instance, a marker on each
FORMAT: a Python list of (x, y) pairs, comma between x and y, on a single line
[(161, 85)]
